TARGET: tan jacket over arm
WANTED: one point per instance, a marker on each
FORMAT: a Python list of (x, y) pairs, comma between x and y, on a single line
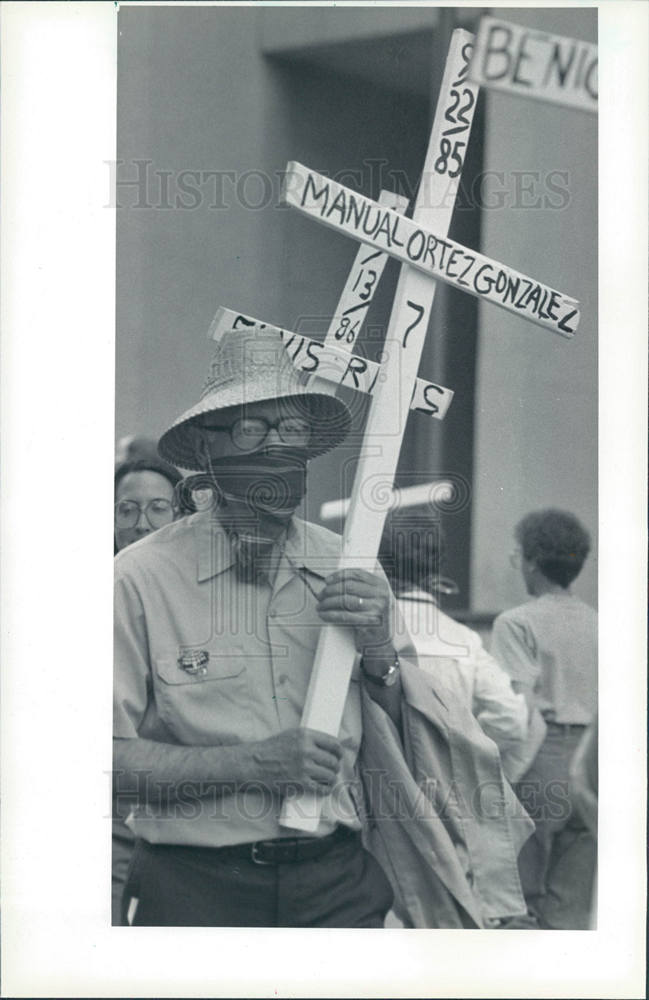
[(444, 822)]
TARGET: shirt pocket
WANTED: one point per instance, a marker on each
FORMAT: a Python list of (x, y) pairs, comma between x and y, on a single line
[(205, 709)]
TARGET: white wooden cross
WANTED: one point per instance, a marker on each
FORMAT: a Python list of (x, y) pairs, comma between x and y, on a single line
[(327, 361), (332, 359), (437, 491), (426, 252), (360, 287)]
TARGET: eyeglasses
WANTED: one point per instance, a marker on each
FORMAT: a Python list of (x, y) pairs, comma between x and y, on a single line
[(248, 433), (158, 512)]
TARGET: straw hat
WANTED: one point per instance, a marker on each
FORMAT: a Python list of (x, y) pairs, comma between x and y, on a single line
[(251, 366)]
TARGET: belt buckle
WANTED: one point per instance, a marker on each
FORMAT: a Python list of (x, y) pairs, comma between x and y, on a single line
[(254, 855)]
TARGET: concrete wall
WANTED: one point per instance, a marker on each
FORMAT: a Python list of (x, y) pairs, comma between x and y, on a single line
[(197, 93), (193, 94), (291, 29), (536, 417)]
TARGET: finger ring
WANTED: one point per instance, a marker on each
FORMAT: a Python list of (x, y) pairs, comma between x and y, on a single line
[(360, 603)]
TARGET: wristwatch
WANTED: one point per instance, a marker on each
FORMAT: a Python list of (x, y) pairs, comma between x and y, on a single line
[(388, 678)]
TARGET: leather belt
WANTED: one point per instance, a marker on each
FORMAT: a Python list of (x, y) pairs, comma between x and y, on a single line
[(288, 850)]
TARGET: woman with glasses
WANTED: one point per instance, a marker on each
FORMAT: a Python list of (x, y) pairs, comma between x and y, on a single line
[(144, 502), (144, 499)]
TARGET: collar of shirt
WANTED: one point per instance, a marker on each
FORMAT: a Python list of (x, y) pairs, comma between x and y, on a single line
[(214, 553)]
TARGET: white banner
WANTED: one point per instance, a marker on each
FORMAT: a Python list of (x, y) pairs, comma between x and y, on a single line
[(531, 63)]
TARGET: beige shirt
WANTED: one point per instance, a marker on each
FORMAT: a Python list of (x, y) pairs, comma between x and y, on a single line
[(177, 594), (549, 645), (455, 655)]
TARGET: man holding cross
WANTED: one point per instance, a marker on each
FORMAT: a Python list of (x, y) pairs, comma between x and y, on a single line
[(217, 620)]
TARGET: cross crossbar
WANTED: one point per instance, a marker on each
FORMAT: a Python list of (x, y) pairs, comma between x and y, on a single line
[(326, 361), (423, 494), (433, 253)]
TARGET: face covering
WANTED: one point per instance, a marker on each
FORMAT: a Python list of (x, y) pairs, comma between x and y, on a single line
[(254, 491), (270, 481)]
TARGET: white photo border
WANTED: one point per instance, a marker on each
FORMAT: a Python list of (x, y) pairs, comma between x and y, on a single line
[(58, 322)]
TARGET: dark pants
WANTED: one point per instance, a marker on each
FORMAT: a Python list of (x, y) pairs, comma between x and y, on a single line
[(557, 863), (208, 887)]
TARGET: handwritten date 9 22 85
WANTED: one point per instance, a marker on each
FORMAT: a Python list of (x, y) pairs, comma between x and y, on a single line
[(462, 100)]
